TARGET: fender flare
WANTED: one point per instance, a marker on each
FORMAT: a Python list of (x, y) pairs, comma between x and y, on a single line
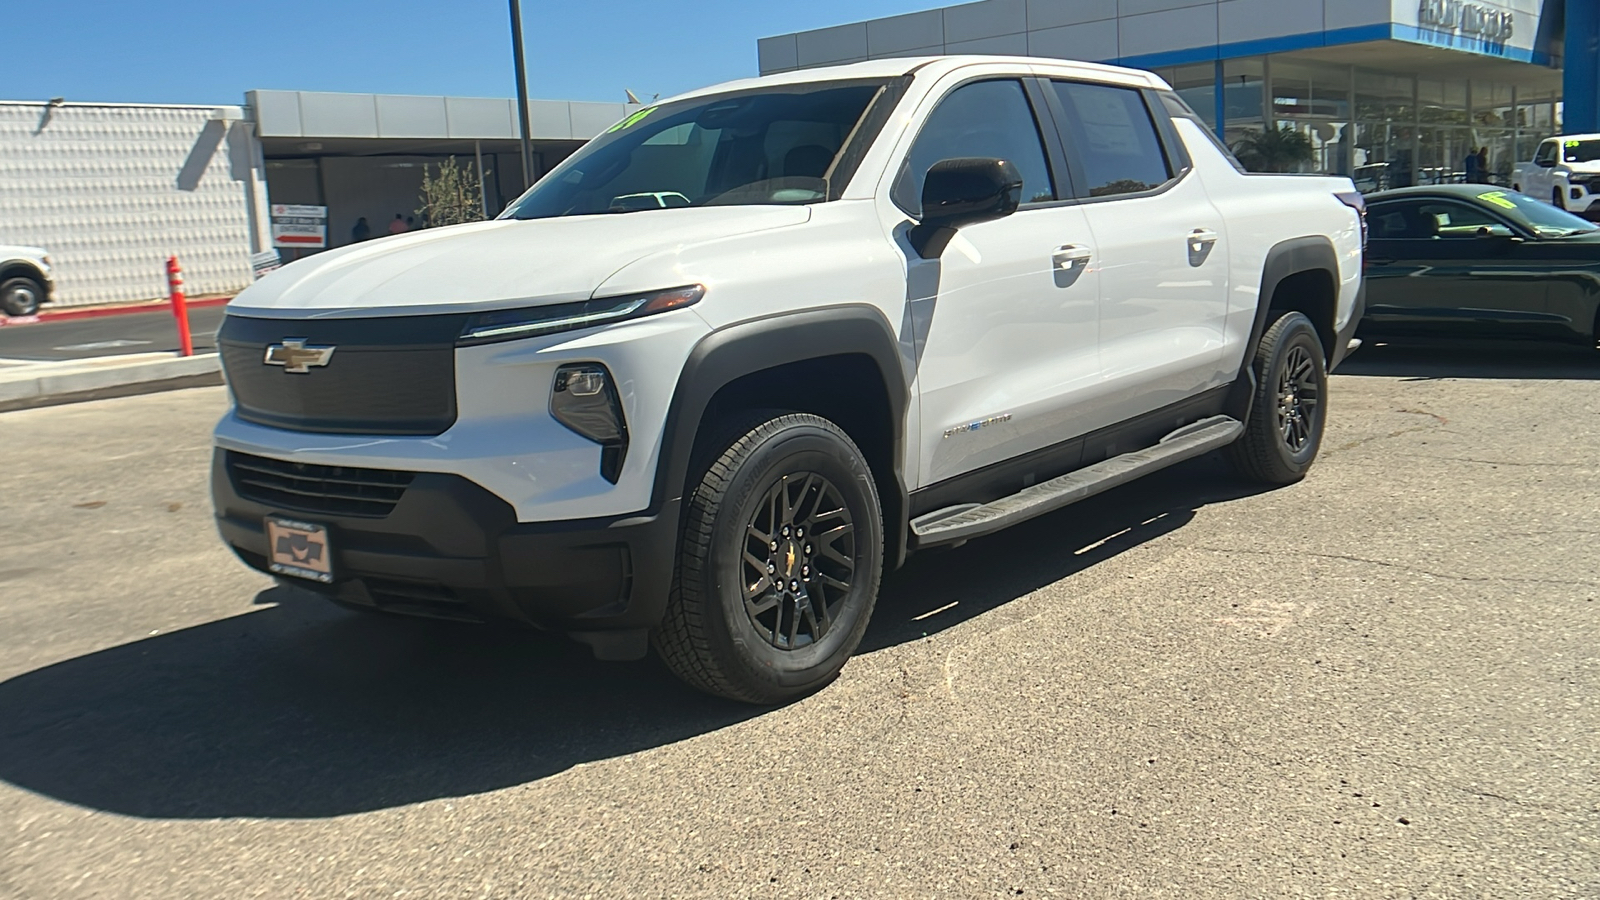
[(1291, 257), (755, 345)]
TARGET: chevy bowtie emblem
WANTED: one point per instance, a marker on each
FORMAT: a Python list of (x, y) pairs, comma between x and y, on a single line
[(296, 357)]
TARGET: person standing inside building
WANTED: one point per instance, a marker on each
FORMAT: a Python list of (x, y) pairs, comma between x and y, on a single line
[(361, 231), (1470, 164), (398, 226)]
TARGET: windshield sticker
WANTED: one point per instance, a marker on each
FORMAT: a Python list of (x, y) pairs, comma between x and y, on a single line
[(632, 120), (1573, 144), (1498, 198)]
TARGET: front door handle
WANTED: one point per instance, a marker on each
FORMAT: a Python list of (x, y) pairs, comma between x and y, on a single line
[(1200, 237), (1071, 255)]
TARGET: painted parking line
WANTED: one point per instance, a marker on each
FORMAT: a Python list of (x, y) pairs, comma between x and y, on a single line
[(101, 345)]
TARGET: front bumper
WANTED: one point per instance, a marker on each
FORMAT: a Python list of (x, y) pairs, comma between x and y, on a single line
[(451, 549)]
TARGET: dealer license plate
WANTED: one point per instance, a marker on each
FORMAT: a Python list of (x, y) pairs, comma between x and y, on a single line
[(300, 549)]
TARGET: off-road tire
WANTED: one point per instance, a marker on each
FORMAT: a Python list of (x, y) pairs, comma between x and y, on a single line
[(707, 637), (1263, 454), (20, 296), (1558, 199)]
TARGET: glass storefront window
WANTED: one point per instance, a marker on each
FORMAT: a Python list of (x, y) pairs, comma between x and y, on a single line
[(1301, 91), (1382, 98), (1243, 83), (1442, 102), (1197, 85)]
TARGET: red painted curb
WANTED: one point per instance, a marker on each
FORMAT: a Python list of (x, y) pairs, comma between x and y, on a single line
[(67, 315)]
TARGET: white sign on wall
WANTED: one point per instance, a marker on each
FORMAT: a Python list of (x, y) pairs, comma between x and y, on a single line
[(299, 226)]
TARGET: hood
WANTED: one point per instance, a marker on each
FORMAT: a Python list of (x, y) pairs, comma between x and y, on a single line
[(1590, 167), (19, 251), (493, 265)]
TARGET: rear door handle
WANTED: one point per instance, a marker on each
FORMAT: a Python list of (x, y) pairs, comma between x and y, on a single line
[(1071, 255)]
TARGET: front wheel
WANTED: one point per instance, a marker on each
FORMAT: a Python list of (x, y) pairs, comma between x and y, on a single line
[(1558, 199), (779, 566), (20, 296), (1284, 429)]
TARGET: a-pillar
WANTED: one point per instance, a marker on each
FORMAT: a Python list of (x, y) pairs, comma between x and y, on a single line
[(1581, 76)]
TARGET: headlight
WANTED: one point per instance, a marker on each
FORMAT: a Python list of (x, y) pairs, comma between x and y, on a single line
[(584, 398), (515, 324)]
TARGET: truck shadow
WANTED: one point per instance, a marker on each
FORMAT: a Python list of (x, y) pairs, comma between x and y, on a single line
[(1474, 359), (299, 709)]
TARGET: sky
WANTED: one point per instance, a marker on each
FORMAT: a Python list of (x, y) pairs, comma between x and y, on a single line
[(193, 51)]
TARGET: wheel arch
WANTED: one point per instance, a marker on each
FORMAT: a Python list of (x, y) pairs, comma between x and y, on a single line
[(23, 268), (1299, 275), (850, 356)]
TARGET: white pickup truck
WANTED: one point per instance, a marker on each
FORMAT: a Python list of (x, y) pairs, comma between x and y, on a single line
[(1564, 171), (903, 304)]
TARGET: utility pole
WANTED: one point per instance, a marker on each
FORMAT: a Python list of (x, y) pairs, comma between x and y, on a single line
[(522, 92)]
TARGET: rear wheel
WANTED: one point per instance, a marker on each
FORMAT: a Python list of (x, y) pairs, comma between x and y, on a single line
[(21, 296), (778, 572), (1284, 429)]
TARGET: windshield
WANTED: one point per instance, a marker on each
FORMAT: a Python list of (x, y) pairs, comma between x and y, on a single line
[(1537, 216), (1581, 151), (777, 145)]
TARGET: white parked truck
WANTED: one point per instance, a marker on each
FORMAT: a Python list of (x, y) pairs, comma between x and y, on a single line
[(27, 280), (906, 304), (1565, 171)]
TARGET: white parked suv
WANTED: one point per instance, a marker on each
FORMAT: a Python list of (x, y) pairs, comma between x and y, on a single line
[(1565, 171), (909, 303)]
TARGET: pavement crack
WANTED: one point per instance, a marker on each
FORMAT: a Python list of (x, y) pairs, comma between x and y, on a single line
[(1376, 437), (1492, 795), (1404, 567), (1498, 462)]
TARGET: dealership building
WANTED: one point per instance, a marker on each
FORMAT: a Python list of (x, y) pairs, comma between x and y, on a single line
[(1389, 92), (113, 189)]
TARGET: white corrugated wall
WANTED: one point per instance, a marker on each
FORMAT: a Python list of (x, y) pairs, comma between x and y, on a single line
[(112, 190)]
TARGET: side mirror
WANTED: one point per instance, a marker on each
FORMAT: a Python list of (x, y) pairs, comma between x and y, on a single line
[(959, 192), (1545, 163)]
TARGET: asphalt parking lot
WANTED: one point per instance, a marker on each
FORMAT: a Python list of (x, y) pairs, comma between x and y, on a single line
[(1378, 683)]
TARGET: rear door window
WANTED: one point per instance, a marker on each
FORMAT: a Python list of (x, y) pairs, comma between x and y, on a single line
[(1117, 145)]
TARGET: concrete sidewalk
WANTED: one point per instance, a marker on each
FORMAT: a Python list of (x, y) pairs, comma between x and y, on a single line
[(25, 383)]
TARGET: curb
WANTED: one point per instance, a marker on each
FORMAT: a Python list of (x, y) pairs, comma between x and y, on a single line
[(54, 385), (45, 316)]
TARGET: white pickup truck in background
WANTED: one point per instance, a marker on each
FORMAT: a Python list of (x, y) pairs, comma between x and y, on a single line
[(1566, 172)]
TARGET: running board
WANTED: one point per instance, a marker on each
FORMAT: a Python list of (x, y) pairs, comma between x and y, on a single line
[(957, 524)]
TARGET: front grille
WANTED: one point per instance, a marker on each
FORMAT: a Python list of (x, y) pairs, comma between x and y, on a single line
[(392, 376), (307, 487)]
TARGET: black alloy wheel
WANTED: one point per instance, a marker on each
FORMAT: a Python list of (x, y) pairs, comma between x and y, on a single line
[(1289, 407), (799, 561), (1299, 394), (780, 558)]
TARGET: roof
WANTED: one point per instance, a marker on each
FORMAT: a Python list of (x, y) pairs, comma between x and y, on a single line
[(936, 65)]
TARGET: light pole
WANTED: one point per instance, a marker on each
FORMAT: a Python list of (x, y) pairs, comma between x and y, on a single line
[(522, 92)]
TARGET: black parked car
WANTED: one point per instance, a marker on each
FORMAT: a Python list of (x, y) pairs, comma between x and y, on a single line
[(1477, 261)]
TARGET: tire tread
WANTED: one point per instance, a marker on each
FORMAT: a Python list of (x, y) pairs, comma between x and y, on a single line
[(681, 639)]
